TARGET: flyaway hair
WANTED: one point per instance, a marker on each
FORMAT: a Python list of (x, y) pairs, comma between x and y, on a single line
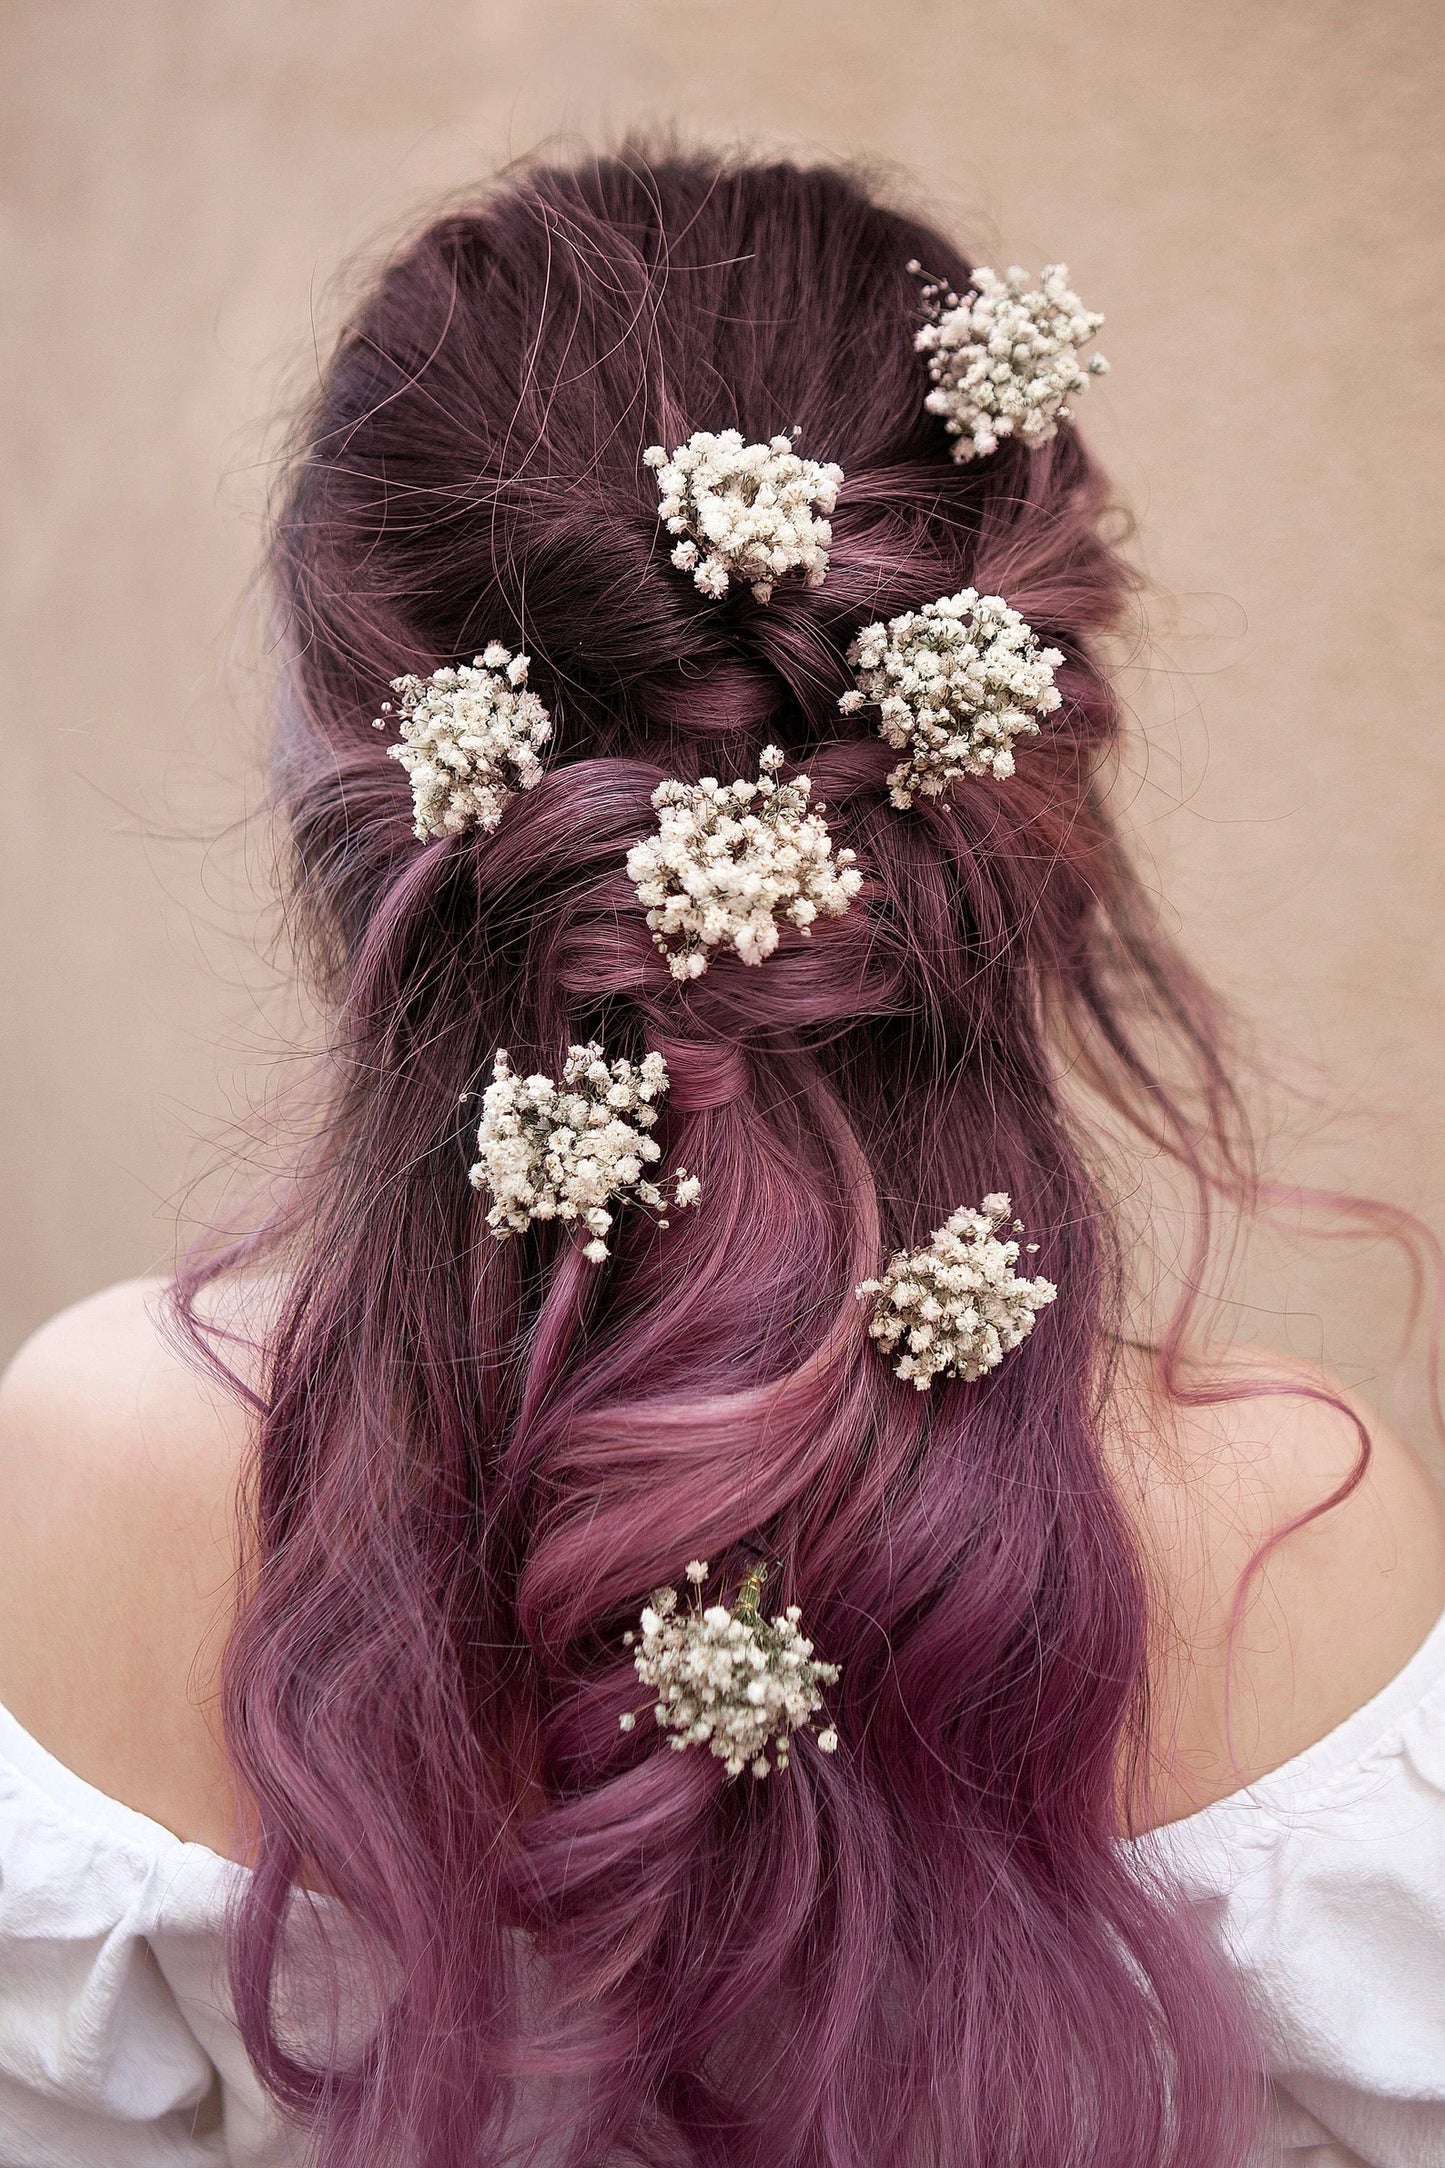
[(478, 1458)]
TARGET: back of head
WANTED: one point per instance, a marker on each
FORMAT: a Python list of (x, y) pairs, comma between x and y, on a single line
[(478, 1456)]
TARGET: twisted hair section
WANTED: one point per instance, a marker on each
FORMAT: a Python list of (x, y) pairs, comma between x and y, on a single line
[(476, 1458)]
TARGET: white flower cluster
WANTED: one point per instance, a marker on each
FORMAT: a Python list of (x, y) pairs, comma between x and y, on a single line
[(729, 859), (955, 683), (568, 1150), (1004, 357), (746, 512), (730, 1679), (956, 1307), (470, 738)]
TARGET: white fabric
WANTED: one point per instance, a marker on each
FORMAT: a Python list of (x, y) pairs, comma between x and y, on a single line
[(118, 2047), (1326, 1881)]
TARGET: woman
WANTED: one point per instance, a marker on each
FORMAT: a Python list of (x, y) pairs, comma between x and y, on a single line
[(701, 1197)]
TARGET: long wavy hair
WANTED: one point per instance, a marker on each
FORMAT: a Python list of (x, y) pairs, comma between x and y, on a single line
[(475, 1458)]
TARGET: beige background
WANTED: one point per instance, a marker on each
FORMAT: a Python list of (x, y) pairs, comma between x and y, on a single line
[(1250, 191)]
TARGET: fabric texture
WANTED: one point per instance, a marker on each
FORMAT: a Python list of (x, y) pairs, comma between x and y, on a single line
[(118, 2046), (1325, 1882)]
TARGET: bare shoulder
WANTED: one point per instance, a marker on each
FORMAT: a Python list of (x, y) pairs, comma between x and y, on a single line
[(119, 1459), (1297, 1551)]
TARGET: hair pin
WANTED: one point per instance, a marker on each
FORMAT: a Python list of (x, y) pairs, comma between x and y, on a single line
[(747, 512), (955, 1307), (728, 1678), (729, 860), (471, 736), (955, 683), (572, 1149), (1003, 358)]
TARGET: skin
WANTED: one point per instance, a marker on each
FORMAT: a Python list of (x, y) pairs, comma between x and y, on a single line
[(119, 1464)]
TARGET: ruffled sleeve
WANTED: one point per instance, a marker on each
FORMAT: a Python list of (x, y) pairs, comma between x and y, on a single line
[(118, 2046), (1325, 1883)]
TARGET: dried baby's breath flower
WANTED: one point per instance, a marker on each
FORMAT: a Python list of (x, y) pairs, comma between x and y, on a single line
[(954, 683), (749, 512), (955, 1307), (1004, 357), (729, 1679), (470, 739), (569, 1150), (730, 859)]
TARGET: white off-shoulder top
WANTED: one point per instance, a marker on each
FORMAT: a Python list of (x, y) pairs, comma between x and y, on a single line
[(1325, 1882)]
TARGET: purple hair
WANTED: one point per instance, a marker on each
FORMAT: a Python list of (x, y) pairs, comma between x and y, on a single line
[(476, 1458)]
